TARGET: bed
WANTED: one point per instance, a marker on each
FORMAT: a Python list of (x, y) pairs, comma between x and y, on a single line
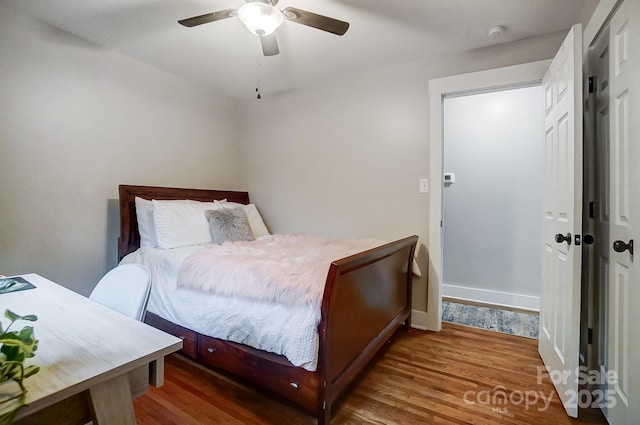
[(366, 298)]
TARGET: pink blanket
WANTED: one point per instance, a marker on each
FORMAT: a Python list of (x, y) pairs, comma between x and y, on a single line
[(285, 269)]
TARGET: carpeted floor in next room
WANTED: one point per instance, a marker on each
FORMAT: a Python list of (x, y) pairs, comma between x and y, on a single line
[(505, 321)]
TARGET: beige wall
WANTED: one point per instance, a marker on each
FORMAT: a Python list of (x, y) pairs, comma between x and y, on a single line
[(340, 158), (344, 157), (77, 120)]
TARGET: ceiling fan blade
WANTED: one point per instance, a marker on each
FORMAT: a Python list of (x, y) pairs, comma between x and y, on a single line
[(209, 17), (269, 45), (314, 20)]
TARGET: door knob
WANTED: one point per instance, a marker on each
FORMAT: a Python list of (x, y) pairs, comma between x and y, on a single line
[(620, 246), (563, 238)]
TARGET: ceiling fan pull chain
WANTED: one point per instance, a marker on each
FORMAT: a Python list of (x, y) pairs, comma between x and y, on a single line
[(259, 96)]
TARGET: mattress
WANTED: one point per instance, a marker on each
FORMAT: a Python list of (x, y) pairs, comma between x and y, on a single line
[(290, 331)]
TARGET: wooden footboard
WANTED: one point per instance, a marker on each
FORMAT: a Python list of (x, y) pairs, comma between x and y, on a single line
[(367, 297)]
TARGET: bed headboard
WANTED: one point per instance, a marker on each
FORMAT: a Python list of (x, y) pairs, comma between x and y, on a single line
[(129, 239)]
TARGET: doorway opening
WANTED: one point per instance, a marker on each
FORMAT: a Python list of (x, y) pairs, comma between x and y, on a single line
[(439, 89), (492, 203)]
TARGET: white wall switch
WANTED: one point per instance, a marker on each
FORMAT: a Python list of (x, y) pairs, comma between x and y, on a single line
[(424, 185)]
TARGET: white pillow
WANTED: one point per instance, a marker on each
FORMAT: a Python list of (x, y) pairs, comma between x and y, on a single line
[(144, 214), (255, 220), (181, 223)]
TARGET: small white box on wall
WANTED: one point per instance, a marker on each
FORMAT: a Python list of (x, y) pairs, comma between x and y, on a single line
[(449, 178)]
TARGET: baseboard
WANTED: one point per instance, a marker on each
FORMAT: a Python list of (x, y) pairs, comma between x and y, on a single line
[(419, 320), (489, 297)]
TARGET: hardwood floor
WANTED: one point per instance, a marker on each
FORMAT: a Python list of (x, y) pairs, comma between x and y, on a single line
[(460, 375)]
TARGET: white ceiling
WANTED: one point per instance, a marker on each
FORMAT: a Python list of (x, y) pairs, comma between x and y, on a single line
[(223, 55)]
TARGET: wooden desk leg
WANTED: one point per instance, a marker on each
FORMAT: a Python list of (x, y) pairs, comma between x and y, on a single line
[(111, 402), (156, 372)]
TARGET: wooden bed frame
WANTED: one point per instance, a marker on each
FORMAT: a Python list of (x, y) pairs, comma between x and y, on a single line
[(367, 297)]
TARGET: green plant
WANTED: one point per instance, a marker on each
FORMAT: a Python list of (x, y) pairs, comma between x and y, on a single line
[(15, 347)]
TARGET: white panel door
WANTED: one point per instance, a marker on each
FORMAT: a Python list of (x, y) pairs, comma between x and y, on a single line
[(623, 309), (559, 340)]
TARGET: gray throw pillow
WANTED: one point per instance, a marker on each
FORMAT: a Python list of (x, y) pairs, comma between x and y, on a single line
[(229, 224)]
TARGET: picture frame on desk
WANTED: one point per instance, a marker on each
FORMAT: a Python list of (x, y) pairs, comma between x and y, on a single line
[(13, 284)]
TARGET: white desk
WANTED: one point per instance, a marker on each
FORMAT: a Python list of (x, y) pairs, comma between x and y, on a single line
[(92, 359)]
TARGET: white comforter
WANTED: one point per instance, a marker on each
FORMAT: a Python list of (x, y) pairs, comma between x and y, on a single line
[(286, 269), (264, 323)]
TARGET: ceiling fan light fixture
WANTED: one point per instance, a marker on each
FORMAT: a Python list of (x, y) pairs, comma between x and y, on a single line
[(260, 18)]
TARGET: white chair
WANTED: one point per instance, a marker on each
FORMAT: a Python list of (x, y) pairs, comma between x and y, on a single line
[(125, 289)]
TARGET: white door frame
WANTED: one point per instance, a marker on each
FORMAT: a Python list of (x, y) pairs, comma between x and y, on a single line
[(493, 79), (598, 21)]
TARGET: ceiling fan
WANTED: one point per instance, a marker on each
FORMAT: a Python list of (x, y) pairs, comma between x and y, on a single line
[(262, 18)]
